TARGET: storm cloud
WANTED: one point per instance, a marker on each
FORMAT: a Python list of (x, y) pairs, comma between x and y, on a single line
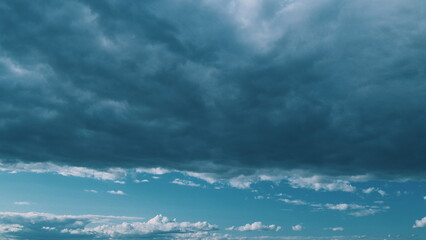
[(337, 87)]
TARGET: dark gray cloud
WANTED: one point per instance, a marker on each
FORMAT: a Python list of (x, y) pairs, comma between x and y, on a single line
[(332, 86)]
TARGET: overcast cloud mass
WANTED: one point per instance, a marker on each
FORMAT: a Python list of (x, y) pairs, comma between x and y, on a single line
[(337, 87)]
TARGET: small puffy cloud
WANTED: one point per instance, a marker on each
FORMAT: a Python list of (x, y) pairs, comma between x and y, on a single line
[(141, 181), (21, 203), (420, 223), (256, 226), (120, 182), (424, 198), (297, 227), (335, 229), (116, 192), (185, 183)]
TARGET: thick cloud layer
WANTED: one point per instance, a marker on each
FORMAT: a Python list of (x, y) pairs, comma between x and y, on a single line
[(323, 85)]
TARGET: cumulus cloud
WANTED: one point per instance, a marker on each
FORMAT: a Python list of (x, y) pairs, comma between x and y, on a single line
[(267, 85), (21, 203), (158, 224), (420, 223), (256, 226), (50, 226), (116, 192), (297, 227)]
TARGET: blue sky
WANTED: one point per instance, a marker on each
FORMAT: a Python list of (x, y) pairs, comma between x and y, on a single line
[(213, 119), (353, 209)]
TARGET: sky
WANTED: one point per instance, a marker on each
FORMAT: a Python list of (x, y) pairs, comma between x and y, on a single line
[(213, 119)]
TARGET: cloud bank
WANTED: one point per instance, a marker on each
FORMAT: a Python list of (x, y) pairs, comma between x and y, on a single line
[(335, 87), (49, 226)]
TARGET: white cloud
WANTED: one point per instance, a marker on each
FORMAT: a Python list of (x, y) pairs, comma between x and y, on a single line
[(356, 209), (368, 190), (365, 212), (296, 178), (373, 189), (8, 228), (324, 183), (242, 182), (154, 171), (424, 198), (343, 206), (420, 223), (208, 177), (111, 174), (50, 226), (335, 229), (158, 224), (21, 203), (91, 191), (295, 202), (297, 227), (117, 192), (185, 183), (256, 226), (350, 208), (141, 181)]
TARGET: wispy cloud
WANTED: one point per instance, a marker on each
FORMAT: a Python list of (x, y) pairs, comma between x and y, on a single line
[(185, 183), (111, 174), (335, 229), (91, 191)]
